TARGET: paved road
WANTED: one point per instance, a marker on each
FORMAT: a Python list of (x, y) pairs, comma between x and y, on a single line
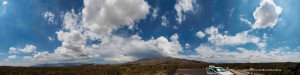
[(191, 72)]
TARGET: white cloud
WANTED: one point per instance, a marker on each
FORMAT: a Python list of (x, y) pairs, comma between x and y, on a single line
[(4, 2), (13, 50), (215, 52), (49, 16), (210, 53), (50, 38), (98, 17), (200, 34), (155, 12), (266, 15), (4, 5), (263, 43), (72, 38), (73, 44), (71, 21), (183, 6), (135, 48), (39, 55), (265, 36), (211, 30), (28, 48), (104, 16), (175, 27), (116, 50), (165, 21), (238, 39), (231, 12), (246, 21), (187, 46), (12, 57)]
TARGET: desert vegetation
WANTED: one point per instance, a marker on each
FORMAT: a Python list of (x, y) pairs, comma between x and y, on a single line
[(168, 69), (155, 66)]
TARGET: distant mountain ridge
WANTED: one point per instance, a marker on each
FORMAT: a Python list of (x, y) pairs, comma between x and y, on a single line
[(145, 61), (61, 65), (164, 60)]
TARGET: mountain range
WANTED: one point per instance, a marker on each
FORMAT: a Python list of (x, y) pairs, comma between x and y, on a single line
[(145, 61)]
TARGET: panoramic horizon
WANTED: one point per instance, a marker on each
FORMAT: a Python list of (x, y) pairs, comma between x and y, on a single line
[(119, 31)]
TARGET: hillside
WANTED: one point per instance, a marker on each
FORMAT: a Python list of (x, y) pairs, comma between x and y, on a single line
[(164, 61), (61, 65)]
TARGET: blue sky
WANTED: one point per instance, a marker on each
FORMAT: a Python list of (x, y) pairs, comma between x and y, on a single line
[(119, 31)]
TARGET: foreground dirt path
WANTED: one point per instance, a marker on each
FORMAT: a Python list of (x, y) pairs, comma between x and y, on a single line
[(237, 72), (240, 72), (191, 72)]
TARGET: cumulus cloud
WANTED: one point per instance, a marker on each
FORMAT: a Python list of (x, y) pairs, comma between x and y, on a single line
[(135, 48), (117, 50), (187, 46), (12, 57), (165, 21), (98, 18), (222, 40), (73, 44), (263, 43), (214, 50), (72, 38), (200, 34), (28, 48), (211, 53), (266, 15), (103, 16), (40, 57), (183, 6), (49, 16), (13, 50)]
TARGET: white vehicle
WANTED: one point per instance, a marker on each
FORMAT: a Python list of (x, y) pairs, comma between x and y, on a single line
[(212, 70)]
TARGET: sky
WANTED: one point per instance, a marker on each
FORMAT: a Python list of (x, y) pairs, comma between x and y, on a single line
[(119, 31)]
